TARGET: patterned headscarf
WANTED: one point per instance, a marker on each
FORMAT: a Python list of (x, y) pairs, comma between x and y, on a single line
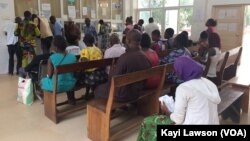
[(187, 69)]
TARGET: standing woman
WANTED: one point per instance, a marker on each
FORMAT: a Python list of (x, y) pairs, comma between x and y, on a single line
[(104, 35), (214, 50), (211, 25), (129, 26), (66, 81)]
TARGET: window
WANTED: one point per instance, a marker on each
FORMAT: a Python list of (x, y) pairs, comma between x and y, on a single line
[(157, 3), (158, 14), (143, 3), (145, 15), (171, 3), (186, 2), (185, 19), (176, 14), (171, 19)]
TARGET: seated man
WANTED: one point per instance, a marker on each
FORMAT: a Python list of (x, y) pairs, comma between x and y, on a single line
[(116, 49), (131, 61)]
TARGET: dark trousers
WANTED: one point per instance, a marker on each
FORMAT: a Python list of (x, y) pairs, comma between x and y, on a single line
[(14, 49)]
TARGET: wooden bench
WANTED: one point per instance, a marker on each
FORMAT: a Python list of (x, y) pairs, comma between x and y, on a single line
[(230, 102), (242, 82), (233, 60), (50, 98), (99, 113)]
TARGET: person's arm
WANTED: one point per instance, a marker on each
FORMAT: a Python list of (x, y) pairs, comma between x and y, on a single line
[(37, 32), (212, 52), (63, 33), (50, 68), (34, 63), (84, 55), (180, 108)]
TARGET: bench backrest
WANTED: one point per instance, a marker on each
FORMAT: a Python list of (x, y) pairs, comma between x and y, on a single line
[(81, 67), (123, 80), (221, 67), (234, 58), (236, 52)]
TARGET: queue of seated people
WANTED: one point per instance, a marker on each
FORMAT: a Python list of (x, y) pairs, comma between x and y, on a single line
[(138, 53)]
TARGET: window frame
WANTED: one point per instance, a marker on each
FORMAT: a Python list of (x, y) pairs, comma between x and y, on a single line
[(164, 9)]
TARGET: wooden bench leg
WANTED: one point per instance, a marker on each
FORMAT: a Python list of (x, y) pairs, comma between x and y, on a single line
[(245, 101), (98, 130), (245, 98), (148, 105), (50, 106)]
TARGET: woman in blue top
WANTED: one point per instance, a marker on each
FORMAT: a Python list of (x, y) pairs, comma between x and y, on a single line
[(66, 81)]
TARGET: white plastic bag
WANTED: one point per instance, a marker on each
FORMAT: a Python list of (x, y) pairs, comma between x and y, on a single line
[(25, 91)]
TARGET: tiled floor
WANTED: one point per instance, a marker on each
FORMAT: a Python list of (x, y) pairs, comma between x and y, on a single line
[(28, 123)]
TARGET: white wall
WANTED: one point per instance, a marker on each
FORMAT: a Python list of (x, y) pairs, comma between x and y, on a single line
[(6, 15)]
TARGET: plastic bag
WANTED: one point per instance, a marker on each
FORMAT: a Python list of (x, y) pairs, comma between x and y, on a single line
[(25, 91)]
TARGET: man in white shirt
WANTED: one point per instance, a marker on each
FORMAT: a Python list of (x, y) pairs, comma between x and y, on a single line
[(149, 28), (12, 45), (116, 49)]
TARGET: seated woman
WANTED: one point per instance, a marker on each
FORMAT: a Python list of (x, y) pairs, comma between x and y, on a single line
[(95, 76), (66, 81), (196, 101), (33, 67), (179, 50), (153, 58)]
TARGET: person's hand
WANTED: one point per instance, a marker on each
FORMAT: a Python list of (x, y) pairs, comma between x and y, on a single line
[(165, 109)]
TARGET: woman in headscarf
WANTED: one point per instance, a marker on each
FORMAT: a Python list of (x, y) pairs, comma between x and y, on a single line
[(195, 103)]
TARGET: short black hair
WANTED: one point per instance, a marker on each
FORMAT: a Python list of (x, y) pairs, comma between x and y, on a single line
[(151, 20), (185, 33), (203, 35), (145, 41), (60, 43), (141, 22), (52, 17), (156, 33), (211, 22), (170, 32), (101, 22), (181, 40), (27, 14), (18, 20), (89, 39), (129, 20)]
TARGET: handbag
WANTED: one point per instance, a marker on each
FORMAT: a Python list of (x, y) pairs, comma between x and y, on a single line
[(25, 91)]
